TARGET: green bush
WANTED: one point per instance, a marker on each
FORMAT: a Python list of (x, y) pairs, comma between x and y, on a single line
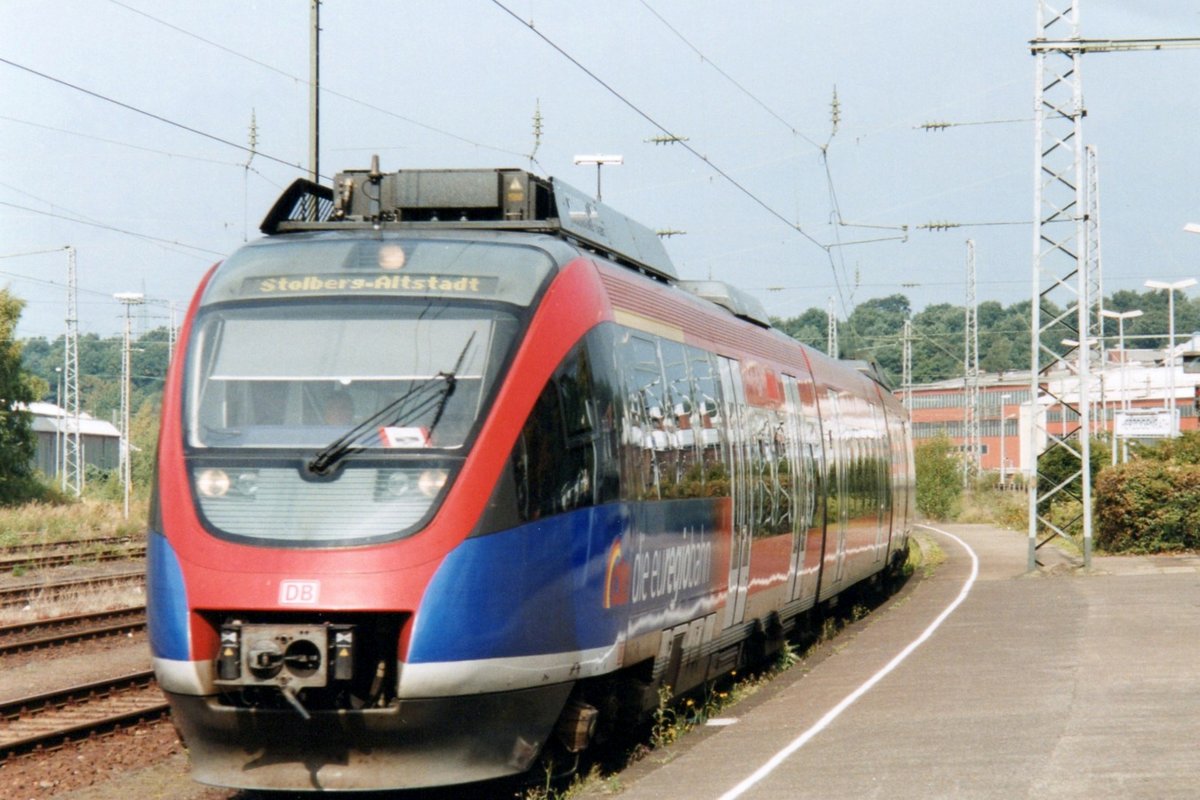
[(1184, 449), (1148, 506), (1057, 464), (939, 477)]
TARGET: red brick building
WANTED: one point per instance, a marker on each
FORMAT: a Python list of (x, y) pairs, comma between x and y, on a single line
[(1140, 381)]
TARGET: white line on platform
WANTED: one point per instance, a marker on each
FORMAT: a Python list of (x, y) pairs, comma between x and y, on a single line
[(803, 739)]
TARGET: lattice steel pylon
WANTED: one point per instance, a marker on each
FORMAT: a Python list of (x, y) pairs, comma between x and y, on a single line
[(1095, 281), (72, 463), (1061, 286), (971, 443)]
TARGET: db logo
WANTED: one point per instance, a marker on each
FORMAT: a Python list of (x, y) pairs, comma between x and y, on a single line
[(299, 593)]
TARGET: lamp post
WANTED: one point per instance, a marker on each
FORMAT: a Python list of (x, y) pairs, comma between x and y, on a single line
[(59, 472), (1003, 436), (600, 161), (127, 299), (1170, 289), (1120, 317)]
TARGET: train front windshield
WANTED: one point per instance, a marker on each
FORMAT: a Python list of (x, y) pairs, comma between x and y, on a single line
[(327, 423), (301, 377)]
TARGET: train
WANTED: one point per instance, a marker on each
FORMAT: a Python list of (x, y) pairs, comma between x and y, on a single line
[(456, 473)]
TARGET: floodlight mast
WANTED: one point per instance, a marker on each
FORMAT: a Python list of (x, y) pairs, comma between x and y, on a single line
[(1120, 317), (1169, 360), (600, 160), (127, 299)]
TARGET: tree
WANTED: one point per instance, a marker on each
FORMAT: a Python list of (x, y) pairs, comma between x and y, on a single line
[(143, 434), (875, 329), (939, 477), (811, 328), (17, 443)]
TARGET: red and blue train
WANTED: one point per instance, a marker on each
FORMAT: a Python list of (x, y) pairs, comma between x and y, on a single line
[(454, 470)]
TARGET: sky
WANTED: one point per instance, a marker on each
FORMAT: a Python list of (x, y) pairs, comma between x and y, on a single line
[(125, 133)]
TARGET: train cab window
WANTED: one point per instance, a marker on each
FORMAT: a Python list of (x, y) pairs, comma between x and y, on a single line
[(415, 379)]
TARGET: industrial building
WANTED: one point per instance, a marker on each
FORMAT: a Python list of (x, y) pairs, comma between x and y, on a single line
[(99, 441), (1130, 393)]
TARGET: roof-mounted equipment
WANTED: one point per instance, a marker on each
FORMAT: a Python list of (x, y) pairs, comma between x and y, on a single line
[(732, 299), (498, 199)]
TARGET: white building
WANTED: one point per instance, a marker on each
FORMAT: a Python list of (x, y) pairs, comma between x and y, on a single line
[(99, 441)]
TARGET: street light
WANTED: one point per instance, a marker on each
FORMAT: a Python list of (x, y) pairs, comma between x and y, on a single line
[(1170, 289), (600, 161), (1003, 436), (127, 299), (1120, 317), (61, 421)]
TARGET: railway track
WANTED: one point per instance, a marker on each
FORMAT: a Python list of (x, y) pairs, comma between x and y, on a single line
[(34, 545), (59, 631), (51, 719), (35, 559), (48, 590)]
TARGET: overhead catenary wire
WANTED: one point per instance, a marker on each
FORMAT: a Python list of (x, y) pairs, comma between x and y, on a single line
[(145, 113), (682, 142), (644, 115), (118, 143), (113, 228), (324, 89), (729, 77)]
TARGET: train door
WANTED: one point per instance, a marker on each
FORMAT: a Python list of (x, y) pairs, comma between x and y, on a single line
[(800, 486), (733, 396), (839, 513), (882, 460)]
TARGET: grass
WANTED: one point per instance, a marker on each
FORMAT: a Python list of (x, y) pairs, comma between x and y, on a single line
[(48, 606), (45, 524), (993, 507), (927, 556), (41, 523)]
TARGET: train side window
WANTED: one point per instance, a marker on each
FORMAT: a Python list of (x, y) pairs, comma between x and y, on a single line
[(708, 426), (676, 419), (554, 458), (648, 437), (673, 440)]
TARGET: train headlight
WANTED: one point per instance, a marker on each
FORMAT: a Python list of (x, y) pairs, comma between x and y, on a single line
[(213, 483), (432, 481), (219, 483), (246, 483)]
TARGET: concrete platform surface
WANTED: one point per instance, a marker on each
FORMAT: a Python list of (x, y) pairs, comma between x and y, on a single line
[(1056, 685)]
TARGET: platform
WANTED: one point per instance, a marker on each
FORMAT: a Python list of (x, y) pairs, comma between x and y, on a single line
[(1055, 685)]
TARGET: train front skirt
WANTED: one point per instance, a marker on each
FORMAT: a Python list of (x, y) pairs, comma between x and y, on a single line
[(410, 744)]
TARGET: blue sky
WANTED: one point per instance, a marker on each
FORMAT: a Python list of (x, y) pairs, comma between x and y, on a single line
[(456, 84)]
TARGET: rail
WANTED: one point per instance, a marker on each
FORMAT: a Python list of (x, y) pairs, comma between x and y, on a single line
[(54, 718), (27, 636)]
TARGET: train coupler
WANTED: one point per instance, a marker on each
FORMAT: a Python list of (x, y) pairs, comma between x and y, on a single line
[(292, 657)]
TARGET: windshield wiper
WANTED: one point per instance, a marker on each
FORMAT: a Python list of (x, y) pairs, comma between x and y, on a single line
[(348, 443)]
